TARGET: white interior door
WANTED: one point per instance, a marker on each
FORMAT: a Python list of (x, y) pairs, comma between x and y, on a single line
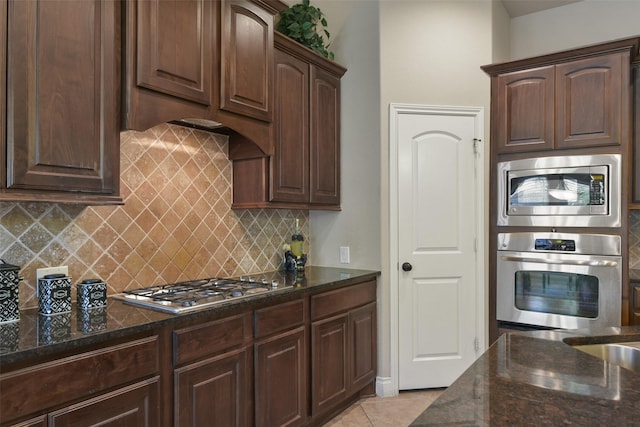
[(437, 235)]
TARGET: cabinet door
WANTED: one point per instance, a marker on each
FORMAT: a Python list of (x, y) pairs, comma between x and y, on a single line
[(175, 52), (289, 178), (63, 86), (523, 105), (635, 303), (281, 396), (635, 139), (214, 391), (589, 102), (324, 154), (362, 332), (246, 43), (135, 405), (329, 363)]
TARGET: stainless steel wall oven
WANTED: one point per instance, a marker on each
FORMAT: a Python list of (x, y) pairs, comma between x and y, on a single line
[(559, 280)]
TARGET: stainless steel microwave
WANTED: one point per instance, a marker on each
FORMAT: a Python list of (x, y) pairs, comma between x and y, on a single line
[(563, 191)]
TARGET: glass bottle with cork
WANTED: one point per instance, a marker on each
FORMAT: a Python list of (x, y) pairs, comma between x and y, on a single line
[(297, 248)]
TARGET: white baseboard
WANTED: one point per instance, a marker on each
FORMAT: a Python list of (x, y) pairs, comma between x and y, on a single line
[(385, 387)]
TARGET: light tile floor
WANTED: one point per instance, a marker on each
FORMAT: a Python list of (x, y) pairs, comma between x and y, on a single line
[(394, 411)]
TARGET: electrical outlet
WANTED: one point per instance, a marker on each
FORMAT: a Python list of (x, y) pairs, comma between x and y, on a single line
[(41, 272), (344, 255)]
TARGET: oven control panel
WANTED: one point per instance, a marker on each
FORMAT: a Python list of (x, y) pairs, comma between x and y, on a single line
[(564, 245)]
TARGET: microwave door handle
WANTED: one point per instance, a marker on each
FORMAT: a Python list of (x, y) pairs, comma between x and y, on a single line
[(594, 263)]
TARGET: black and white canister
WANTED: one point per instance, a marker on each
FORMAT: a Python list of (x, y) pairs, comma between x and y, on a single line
[(9, 280), (54, 294), (92, 293)]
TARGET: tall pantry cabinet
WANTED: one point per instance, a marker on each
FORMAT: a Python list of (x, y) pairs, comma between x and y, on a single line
[(576, 102)]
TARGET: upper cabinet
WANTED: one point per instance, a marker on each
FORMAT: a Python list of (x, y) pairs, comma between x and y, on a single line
[(61, 121), (246, 82), (635, 183), (174, 58), (204, 60), (569, 100), (304, 170)]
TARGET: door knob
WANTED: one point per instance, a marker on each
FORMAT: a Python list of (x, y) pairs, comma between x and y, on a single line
[(407, 266)]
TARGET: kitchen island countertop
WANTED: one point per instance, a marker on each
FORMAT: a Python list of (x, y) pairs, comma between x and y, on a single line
[(537, 378)]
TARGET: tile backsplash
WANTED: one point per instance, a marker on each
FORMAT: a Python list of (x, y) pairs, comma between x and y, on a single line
[(176, 223)]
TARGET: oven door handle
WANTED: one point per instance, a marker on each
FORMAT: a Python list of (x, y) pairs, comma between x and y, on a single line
[(594, 263)]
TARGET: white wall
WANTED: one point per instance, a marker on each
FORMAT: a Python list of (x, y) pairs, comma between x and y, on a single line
[(431, 53), (358, 224), (577, 24)]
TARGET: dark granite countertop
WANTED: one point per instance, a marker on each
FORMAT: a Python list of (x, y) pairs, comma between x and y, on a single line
[(36, 335), (537, 378)]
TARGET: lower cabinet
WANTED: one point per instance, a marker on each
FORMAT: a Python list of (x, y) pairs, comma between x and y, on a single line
[(343, 343), (115, 385), (294, 362), (135, 405), (634, 317), (281, 364), (214, 391), (213, 373)]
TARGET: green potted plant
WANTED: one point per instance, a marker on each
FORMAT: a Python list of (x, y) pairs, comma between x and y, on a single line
[(306, 24)]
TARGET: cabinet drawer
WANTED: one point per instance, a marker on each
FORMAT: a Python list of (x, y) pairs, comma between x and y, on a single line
[(211, 338), (33, 389), (135, 405), (279, 318), (340, 300)]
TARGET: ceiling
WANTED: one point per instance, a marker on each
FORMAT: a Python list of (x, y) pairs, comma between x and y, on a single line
[(524, 7)]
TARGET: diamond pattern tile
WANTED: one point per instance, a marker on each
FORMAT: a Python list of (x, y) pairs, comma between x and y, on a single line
[(176, 224)]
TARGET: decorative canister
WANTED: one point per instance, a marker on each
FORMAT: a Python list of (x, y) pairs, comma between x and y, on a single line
[(9, 279), (54, 294), (92, 293)]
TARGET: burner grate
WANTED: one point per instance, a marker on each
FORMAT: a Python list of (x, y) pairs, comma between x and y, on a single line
[(177, 297)]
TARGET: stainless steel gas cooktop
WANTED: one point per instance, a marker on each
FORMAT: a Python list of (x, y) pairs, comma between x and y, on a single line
[(197, 294)]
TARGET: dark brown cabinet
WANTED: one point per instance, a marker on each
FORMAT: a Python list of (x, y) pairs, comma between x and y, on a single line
[(281, 364), (292, 359), (635, 137), (635, 303), (122, 387), (573, 104), (206, 60), (343, 343), (246, 40), (61, 131), (134, 405), (174, 58), (304, 171), (213, 373), (525, 104)]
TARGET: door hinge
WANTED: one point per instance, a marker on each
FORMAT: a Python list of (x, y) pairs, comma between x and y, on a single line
[(476, 143), (476, 344)]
